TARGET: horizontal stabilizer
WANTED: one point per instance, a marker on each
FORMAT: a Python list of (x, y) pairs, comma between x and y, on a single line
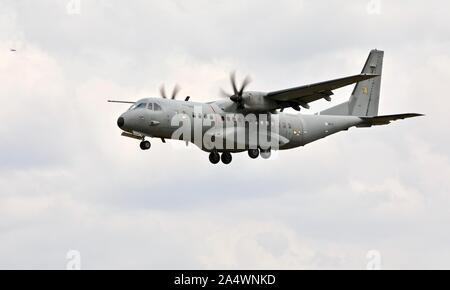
[(384, 120)]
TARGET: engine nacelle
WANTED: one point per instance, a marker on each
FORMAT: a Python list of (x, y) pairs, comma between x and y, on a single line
[(257, 101)]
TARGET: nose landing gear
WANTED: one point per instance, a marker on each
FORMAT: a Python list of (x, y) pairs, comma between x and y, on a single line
[(145, 145)]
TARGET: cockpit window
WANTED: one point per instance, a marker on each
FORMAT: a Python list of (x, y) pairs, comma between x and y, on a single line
[(150, 106), (157, 107), (141, 105)]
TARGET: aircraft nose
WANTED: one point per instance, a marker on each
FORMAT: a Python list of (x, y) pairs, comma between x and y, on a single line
[(120, 122)]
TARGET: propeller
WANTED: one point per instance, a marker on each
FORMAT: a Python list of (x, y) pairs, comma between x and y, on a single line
[(175, 91), (236, 97)]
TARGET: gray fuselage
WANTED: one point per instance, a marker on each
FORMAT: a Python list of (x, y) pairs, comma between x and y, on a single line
[(155, 117)]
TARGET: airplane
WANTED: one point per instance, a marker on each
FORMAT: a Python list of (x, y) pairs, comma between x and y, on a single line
[(254, 122)]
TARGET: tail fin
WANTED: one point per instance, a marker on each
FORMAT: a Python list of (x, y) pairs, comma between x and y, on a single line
[(366, 94)]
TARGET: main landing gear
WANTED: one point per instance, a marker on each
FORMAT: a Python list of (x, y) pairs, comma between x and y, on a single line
[(265, 154), (254, 153), (145, 145), (215, 157), (226, 158)]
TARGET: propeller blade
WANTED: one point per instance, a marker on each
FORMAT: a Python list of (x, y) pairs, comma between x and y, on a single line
[(233, 82), (224, 94), (237, 94), (247, 81), (176, 89), (162, 91)]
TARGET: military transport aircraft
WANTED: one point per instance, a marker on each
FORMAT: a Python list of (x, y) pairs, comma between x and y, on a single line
[(254, 121)]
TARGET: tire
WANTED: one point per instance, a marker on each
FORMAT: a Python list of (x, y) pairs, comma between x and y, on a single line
[(265, 154), (214, 157), (253, 153), (145, 145), (226, 158)]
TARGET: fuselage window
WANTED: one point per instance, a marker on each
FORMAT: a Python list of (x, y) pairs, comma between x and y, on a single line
[(157, 107), (199, 115)]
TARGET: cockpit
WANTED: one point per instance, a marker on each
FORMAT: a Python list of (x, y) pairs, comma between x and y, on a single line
[(153, 106)]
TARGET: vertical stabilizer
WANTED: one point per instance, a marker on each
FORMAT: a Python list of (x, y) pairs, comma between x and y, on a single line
[(366, 94)]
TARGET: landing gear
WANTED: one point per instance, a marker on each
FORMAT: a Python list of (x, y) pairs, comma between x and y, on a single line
[(145, 145), (265, 154), (253, 153), (226, 158), (214, 157)]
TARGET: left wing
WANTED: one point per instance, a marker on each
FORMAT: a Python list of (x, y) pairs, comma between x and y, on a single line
[(310, 93)]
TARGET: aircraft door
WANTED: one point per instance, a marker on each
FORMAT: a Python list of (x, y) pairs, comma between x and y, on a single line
[(157, 118), (288, 129)]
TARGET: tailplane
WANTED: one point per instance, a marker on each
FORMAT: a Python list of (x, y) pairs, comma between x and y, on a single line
[(366, 94), (386, 119)]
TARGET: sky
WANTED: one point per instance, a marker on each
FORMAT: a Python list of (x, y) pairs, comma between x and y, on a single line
[(69, 183)]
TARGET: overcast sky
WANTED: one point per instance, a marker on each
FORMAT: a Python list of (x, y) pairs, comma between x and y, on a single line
[(69, 181)]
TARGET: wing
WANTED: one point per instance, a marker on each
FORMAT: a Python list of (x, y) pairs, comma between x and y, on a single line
[(310, 93)]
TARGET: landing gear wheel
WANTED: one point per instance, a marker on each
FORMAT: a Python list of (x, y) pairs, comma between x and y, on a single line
[(226, 158), (253, 153), (265, 154), (214, 157), (145, 145)]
